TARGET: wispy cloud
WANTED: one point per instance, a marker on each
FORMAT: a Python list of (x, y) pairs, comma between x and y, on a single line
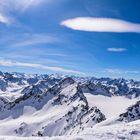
[(10, 63), (34, 39), (4, 19), (101, 25), (116, 49), (23, 5), (119, 71), (20, 6)]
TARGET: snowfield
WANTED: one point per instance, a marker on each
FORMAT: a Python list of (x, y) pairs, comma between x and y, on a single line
[(110, 106), (125, 131)]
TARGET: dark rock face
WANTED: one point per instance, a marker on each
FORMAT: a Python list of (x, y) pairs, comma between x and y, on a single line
[(76, 120), (132, 113), (3, 102), (118, 87), (3, 85)]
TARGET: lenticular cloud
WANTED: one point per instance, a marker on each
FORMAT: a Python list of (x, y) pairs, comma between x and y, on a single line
[(101, 25)]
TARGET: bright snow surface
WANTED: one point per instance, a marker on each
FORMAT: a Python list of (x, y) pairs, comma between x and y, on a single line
[(121, 131), (110, 106)]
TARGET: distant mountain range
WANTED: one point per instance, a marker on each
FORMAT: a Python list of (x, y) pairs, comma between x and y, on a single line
[(66, 106)]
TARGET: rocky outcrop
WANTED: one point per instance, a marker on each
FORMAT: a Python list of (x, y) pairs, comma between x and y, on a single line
[(132, 113)]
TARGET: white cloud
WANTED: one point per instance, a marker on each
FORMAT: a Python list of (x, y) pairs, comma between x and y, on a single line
[(119, 71), (9, 63), (25, 4), (4, 19), (33, 39), (101, 25), (20, 6), (116, 49)]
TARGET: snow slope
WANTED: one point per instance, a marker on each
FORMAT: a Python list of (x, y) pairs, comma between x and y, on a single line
[(63, 109), (110, 106), (123, 131)]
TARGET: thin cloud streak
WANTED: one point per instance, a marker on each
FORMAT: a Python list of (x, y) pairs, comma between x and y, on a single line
[(10, 63), (34, 39), (20, 6), (92, 24), (116, 49), (23, 5), (119, 71)]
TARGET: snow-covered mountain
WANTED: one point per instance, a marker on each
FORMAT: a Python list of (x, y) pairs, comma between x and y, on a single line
[(58, 105), (132, 113)]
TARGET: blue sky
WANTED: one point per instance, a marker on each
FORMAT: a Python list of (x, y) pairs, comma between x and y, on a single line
[(81, 37)]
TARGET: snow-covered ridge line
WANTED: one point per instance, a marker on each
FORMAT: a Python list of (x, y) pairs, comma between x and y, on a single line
[(14, 82), (65, 95)]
